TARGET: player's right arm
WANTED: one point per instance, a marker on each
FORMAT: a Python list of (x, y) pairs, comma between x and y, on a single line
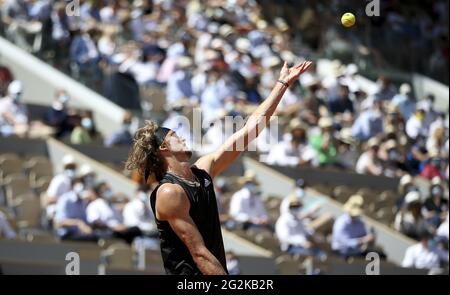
[(172, 205)]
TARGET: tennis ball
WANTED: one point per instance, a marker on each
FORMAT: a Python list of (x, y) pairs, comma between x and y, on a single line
[(348, 20)]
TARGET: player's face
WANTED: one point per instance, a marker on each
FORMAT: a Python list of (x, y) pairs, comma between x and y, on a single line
[(177, 145)]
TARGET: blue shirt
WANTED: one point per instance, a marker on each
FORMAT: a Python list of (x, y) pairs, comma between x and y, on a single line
[(69, 206), (178, 87), (367, 125), (406, 106), (346, 233)]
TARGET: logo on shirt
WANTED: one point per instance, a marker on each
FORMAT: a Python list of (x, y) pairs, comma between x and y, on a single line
[(207, 182)]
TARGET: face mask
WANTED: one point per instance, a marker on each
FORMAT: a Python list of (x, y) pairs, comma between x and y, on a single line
[(229, 106), (78, 188), (87, 123), (16, 97), (70, 173), (107, 194), (89, 181), (300, 193), (436, 191), (63, 99), (252, 188), (393, 155), (294, 211)]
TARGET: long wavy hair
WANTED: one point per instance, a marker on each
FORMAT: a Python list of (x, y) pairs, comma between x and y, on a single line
[(144, 156)]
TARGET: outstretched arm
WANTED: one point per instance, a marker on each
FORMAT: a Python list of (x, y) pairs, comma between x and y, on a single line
[(218, 161)]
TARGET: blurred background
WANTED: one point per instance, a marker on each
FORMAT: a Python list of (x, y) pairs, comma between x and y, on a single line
[(360, 159)]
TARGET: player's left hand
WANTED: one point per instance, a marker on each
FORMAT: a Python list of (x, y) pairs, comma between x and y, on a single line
[(290, 75)]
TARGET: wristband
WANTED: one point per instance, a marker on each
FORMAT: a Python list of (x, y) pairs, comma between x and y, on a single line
[(284, 83)]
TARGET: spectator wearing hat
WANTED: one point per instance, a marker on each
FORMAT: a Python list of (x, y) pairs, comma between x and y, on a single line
[(13, 113), (370, 122), (409, 219), (386, 90), (294, 235), (246, 207), (88, 175), (294, 149), (346, 149), (421, 255), (299, 193), (435, 207), (70, 218), (350, 237), (405, 186), (393, 164), (433, 167), (405, 102), (60, 184), (324, 143), (123, 136), (368, 162)]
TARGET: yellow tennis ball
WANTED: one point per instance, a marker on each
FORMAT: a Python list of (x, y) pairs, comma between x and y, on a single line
[(348, 20)]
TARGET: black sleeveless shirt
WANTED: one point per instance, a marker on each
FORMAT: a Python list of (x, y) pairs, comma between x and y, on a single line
[(203, 211)]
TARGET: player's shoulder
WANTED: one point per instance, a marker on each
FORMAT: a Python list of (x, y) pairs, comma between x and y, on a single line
[(171, 201)]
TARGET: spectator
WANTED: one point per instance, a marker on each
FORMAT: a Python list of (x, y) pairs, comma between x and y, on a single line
[(409, 219), (386, 91), (13, 113), (442, 231), (435, 207), (294, 149), (370, 122), (342, 103), (137, 212), (6, 231), (433, 167), (324, 143), (294, 235), (420, 255), (415, 126), (368, 162), (122, 136), (179, 86), (246, 206), (393, 165), (299, 193), (60, 184), (405, 102), (346, 150), (406, 185), (350, 237), (70, 218), (88, 175), (57, 116), (103, 216), (85, 132)]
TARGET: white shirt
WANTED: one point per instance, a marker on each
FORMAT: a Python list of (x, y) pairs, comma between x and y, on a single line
[(59, 185), (246, 207), (283, 154), (18, 111), (363, 162), (415, 128), (291, 231), (100, 211), (420, 257), (137, 213), (5, 228)]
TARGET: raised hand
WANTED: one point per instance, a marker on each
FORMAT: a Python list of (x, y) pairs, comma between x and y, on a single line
[(290, 75)]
